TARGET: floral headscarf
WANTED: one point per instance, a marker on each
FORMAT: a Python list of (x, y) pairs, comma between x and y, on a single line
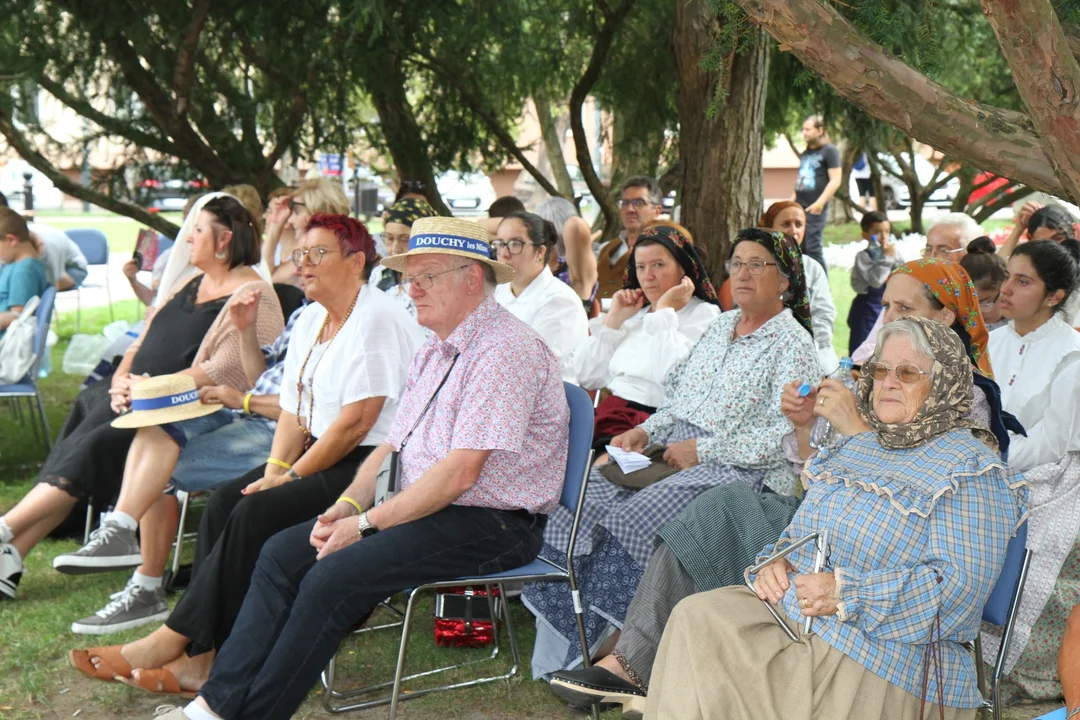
[(952, 287), (408, 211), (788, 256), (684, 253), (947, 403)]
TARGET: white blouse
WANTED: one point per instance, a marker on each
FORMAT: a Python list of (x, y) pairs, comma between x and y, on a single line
[(1039, 376), (822, 312), (551, 308), (397, 292), (370, 357), (634, 361)]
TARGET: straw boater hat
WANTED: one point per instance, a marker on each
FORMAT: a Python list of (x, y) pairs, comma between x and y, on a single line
[(164, 399), (450, 236)]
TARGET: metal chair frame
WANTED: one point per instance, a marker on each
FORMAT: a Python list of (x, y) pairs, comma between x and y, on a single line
[(14, 394), (334, 700), (87, 239)]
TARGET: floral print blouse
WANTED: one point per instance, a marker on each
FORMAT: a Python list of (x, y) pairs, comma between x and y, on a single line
[(731, 388)]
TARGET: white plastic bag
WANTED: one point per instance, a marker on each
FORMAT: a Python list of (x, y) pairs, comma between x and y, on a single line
[(84, 353), (17, 346)]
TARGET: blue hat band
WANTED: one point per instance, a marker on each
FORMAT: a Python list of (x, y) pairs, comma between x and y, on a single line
[(443, 241), (166, 402)]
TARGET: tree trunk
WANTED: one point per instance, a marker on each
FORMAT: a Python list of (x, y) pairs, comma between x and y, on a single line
[(721, 156), (894, 92), (386, 84), (840, 211), (1047, 77), (553, 146)]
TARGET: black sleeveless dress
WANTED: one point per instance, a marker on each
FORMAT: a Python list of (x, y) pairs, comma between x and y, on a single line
[(87, 461)]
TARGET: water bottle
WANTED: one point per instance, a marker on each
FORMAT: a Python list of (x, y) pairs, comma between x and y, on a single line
[(822, 434)]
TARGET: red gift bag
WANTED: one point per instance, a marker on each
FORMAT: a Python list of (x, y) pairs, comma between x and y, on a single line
[(463, 617)]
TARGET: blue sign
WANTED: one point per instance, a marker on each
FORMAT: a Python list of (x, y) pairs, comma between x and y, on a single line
[(331, 164), (450, 242)]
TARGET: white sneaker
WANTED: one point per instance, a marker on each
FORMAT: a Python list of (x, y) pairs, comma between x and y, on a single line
[(169, 712), (11, 570)]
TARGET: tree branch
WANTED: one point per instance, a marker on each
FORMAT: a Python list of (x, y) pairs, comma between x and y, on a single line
[(107, 122), (184, 75), (1047, 76), (892, 91), (791, 144), (456, 77), (65, 184), (582, 88)]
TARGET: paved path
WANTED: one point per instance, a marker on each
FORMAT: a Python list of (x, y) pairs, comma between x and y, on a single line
[(93, 292)]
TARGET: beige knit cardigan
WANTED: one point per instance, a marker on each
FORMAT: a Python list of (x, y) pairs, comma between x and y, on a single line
[(219, 353)]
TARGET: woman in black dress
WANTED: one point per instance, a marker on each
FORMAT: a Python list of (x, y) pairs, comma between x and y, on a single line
[(193, 334)]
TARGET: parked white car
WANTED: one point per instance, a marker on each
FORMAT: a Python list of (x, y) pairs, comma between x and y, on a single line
[(897, 194), (46, 195), (467, 195)]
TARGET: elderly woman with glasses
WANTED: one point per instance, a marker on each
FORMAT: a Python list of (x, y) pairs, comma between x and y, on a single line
[(525, 241), (918, 513), (719, 423), (344, 372)]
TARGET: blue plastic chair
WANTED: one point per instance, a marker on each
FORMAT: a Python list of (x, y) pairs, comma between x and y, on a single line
[(1058, 714), (578, 461), (95, 247), (28, 386), (1001, 610)]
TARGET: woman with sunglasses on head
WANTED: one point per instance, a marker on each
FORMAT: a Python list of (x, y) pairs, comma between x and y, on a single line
[(719, 423), (718, 535), (1037, 359), (666, 303), (344, 371), (525, 242), (292, 214)]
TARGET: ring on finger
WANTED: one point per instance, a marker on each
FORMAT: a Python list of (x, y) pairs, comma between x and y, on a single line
[(821, 401)]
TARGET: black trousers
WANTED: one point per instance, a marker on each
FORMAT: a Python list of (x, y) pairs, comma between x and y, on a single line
[(298, 610), (232, 531)]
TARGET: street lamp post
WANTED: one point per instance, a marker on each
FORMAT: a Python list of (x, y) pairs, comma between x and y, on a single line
[(28, 192)]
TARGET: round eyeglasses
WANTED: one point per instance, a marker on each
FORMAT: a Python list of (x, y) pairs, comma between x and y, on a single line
[(314, 255), (906, 374), (514, 246), (755, 267)]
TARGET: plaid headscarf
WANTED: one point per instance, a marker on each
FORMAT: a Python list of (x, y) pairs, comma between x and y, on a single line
[(684, 253), (949, 400), (408, 211), (952, 287), (788, 256)]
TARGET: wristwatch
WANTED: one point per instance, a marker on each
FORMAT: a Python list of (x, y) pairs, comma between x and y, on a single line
[(292, 474), (365, 527)]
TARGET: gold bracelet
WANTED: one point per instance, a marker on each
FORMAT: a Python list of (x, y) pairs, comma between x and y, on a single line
[(247, 403), (352, 502), (280, 463)]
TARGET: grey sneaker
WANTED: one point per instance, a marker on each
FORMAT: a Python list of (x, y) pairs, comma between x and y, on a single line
[(11, 570), (111, 547), (131, 607)]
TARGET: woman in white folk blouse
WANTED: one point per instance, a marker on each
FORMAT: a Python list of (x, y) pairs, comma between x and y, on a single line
[(535, 296)]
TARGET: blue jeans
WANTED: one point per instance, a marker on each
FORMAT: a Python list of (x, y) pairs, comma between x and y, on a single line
[(217, 448), (297, 611)]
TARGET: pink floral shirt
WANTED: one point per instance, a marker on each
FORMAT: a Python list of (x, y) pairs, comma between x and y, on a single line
[(503, 394)]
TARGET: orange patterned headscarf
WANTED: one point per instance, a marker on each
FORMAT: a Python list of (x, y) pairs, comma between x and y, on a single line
[(950, 284)]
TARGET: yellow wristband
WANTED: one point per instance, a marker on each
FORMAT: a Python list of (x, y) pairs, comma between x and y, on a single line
[(280, 463), (247, 403), (352, 502)]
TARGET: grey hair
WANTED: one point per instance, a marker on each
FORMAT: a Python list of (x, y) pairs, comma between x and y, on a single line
[(920, 343), (490, 281), (969, 229), (656, 195), (557, 211)]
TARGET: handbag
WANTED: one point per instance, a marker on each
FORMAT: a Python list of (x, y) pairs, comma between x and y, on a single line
[(643, 478), (463, 616), (17, 354)]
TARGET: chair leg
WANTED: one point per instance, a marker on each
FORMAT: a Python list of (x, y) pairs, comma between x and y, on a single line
[(89, 522), (78, 310), (399, 670), (44, 421), (108, 294), (31, 413), (178, 547)]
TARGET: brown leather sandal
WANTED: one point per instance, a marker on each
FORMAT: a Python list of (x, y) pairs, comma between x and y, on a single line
[(111, 665), (157, 681)]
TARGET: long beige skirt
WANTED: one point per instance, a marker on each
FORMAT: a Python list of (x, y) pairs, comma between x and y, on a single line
[(723, 656)]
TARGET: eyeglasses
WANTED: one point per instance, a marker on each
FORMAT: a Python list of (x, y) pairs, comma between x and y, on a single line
[(990, 302), (425, 281), (756, 267), (293, 205), (939, 252), (906, 374), (314, 255), (514, 246), (636, 203)]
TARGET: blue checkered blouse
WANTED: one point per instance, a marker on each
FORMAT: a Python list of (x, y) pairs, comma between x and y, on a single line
[(913, 534)]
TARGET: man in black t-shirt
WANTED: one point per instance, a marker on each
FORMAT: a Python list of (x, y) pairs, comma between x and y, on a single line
[(818, 181)]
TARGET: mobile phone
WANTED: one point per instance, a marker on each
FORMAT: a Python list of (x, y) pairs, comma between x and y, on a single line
[(138, 258)]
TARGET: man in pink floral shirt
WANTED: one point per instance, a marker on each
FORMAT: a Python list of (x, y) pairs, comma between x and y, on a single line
[(482, 429)]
